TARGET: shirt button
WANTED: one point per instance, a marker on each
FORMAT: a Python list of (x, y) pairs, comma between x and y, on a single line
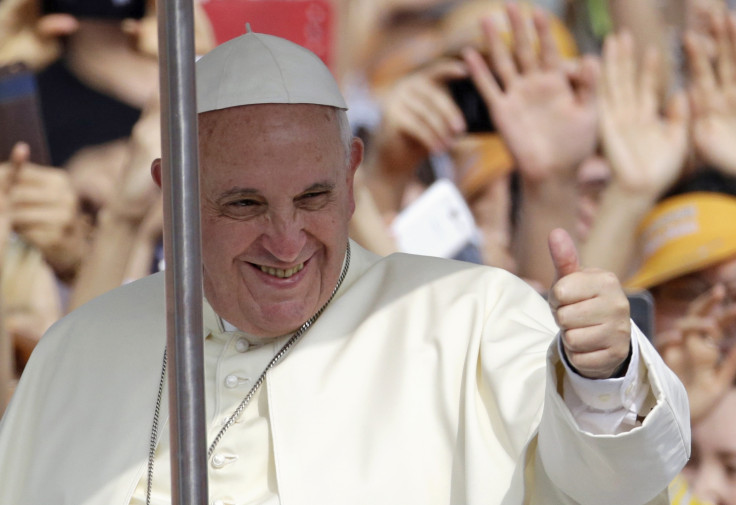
[(241, 345), (218, 461), (604, 398), (231, 381)]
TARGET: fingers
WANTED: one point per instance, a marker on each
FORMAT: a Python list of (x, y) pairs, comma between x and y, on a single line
[(649, 82), (523, 45), (590, 352), (720, 23), (499, 53), (549, 52), (618, 83), (706, 303), (563, 252), (53, 26), (727, 372), (482, 77), (702, 87), (677, 111), (532, 46), (421, 107), (586, 79), (591, 310)]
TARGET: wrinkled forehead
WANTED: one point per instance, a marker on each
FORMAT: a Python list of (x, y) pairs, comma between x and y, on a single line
[(269, 135), (261, 119)]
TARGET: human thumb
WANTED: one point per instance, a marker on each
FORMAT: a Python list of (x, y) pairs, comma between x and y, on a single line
[(564, 253), (52, 26)]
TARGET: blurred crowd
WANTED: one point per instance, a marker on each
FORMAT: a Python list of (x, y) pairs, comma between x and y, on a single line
[(487, 124)]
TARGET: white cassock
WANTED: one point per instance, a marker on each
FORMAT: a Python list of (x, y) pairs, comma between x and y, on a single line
[(425, 382)]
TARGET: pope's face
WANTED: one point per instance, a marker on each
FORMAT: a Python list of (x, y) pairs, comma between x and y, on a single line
[(276, 196)]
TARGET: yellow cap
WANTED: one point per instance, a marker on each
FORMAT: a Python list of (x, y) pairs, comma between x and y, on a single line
[(684, 234), (479, 159)]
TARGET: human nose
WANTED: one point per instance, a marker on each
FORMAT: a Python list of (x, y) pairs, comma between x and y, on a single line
[(284, 237)]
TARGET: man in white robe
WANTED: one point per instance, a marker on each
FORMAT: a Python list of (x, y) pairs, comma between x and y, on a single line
[(423, 381)]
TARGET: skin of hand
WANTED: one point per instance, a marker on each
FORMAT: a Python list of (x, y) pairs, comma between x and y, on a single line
[(27, 36), (712, 92), (144, 31), (419, 118), (45, 212), (546, 115), (136, 191), (646, 151), (7, 173), (698, 350), (592, 311)]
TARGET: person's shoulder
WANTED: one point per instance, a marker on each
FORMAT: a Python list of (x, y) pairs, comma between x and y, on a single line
[(133, 297), (445, 274), (133, 308), (433, 267)]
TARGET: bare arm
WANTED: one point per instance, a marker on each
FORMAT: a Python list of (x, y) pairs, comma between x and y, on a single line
[(547, 118), (419, 118), (712, 93), (120, 232), (645, 150)]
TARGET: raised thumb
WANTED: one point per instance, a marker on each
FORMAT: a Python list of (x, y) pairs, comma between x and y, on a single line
[(564, 253)]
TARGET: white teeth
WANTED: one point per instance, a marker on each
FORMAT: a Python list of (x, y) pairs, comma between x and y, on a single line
[(282, 274)]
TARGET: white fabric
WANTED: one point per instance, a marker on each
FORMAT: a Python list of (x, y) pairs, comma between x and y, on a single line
[(242, 469), (243, 472), (608, 407), (257, 68), (426, 381)]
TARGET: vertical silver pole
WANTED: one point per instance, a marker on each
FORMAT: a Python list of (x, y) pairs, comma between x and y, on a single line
[(183, 253)]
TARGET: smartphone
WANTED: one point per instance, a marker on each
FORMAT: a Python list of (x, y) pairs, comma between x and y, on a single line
[(641, 304), (438, 223), (99, 9), (20, 114), (471, 103)]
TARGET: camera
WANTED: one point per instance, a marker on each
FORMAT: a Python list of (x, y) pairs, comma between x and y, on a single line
[(471, 103), (98, 9)]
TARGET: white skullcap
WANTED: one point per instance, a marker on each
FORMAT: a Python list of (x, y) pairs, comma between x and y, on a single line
[(256, 68)]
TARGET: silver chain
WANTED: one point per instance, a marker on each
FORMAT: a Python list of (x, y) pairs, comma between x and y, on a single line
[(243, 404)]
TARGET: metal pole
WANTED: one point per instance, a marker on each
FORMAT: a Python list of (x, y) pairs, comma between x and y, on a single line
[(182, 245)]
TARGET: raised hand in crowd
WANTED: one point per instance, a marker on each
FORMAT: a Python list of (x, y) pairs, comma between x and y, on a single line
[(700, 349), (712, 92), (27, 36), (547, 117), (645, 149), (131, 221), (419, 118), (144, 31), (8, 172), (545, 113), (30, 298), (45, 212)]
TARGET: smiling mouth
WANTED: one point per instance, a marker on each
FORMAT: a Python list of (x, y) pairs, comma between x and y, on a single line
[(280, 273)]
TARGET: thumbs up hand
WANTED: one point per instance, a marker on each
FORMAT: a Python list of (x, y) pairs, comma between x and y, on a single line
[(592, 311)]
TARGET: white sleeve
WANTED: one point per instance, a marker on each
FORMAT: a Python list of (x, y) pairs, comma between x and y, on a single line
[(592, 468), (606, 406)]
